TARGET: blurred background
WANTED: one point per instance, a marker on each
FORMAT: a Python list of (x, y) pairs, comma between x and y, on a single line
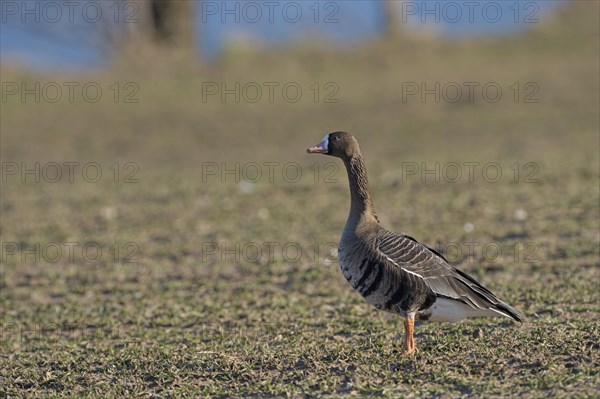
[(152, 149), (43, 35)]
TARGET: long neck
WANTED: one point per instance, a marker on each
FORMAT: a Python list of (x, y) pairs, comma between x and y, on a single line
[(361, 205)]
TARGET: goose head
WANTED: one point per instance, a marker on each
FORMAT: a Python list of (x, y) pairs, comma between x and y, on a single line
[(338, 144)]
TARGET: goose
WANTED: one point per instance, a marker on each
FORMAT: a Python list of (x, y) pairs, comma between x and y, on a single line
[(395, 272)]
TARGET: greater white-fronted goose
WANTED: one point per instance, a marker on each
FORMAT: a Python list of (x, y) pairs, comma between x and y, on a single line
[(395, 272)]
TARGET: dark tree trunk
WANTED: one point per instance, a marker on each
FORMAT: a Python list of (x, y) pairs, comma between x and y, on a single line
[(168, 23), (173, 22), (391, 19)]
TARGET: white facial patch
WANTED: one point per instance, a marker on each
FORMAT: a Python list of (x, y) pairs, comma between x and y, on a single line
[(324, 144)]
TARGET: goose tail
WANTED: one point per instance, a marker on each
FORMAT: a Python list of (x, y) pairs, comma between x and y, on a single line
[(508, 311)]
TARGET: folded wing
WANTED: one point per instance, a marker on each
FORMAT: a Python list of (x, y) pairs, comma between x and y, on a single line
[(421, 262)]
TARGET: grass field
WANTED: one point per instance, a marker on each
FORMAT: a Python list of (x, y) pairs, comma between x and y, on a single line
[(180, 271)]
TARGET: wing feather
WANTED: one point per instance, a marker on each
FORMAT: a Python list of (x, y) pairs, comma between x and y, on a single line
[(416, 259)]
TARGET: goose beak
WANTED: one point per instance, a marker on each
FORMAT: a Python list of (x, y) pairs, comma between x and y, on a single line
[(321, 148)]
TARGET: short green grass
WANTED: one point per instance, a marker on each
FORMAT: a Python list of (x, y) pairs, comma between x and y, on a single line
[(185, 319)]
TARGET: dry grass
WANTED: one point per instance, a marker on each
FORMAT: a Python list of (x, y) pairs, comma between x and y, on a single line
[(182, 321)]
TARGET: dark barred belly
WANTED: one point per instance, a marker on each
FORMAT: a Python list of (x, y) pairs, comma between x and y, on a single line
[(380, 286)]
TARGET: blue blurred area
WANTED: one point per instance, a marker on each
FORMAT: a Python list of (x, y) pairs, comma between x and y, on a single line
[(64, 35)]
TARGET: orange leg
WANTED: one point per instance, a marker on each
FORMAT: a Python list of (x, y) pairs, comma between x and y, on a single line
[(409, 341)]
